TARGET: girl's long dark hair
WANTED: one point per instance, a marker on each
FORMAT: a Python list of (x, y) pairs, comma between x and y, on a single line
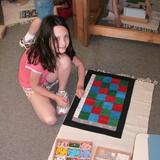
[(41, 51)]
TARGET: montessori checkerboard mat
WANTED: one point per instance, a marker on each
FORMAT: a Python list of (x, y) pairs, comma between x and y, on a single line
[(104, 106)]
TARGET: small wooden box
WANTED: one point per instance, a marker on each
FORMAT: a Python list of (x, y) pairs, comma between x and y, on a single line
[(110, 154), (70, 149)]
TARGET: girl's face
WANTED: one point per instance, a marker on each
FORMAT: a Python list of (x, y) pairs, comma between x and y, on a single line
[(62, 36)]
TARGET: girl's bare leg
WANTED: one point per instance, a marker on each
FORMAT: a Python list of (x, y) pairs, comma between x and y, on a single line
[(63, 71), (42, 105), (43, 108), (52, 77)]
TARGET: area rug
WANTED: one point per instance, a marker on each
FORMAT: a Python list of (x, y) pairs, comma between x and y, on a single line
[(103, 108), (15, 13), (136, 122)]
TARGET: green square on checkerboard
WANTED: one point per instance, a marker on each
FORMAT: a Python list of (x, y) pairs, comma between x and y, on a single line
[(119, 100), (98, 78), (112, 93), (84, 115), (92, 95), (124, 83), (113, 122), (105, 112), (98, 104), (105, 85)]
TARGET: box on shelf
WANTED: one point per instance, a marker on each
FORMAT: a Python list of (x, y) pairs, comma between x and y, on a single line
[(134, 12)]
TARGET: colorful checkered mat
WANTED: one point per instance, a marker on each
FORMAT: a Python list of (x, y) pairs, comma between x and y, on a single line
[(104, 106)]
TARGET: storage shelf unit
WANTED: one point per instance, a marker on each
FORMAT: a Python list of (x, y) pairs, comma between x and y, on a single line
[(85, 16)]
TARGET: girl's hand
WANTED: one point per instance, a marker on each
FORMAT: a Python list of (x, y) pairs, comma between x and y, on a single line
[(79, 91), (61, 101)]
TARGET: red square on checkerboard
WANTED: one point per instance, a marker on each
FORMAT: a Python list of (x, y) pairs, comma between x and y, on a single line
[(115, 81), (110, 98), (117, 107), (97, 83), (96, 110), (123, 88), (103, 119), (90, 101), (103, 90)]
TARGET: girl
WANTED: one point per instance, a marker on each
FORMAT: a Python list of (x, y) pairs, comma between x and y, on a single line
[(47, 61)]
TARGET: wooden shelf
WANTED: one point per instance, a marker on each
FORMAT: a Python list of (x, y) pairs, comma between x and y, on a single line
[(124, 33), (85, 16), (94, 15)]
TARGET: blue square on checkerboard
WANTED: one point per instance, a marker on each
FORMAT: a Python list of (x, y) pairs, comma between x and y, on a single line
[(94, 89), (107, 79), (107, 105), (115, 115), (87, 108), (113, 87), (93, 117), (101, 97), (121, 95)]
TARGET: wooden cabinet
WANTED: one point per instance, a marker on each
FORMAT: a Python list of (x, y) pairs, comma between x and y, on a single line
[(85, 15)]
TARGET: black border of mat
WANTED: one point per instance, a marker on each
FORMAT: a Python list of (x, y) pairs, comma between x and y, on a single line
[(118, 133)]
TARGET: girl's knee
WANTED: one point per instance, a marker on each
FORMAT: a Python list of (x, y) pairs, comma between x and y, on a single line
[(50, 121), (51, 77), (64, 61)]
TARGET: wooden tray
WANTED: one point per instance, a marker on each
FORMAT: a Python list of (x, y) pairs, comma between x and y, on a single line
[(72, 150), (102, 153)]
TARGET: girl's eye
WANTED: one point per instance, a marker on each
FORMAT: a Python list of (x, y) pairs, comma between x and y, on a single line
[(66, 36), (57, 38)]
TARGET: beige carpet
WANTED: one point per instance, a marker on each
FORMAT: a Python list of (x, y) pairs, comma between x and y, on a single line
[(12, 11), (136, 122)]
